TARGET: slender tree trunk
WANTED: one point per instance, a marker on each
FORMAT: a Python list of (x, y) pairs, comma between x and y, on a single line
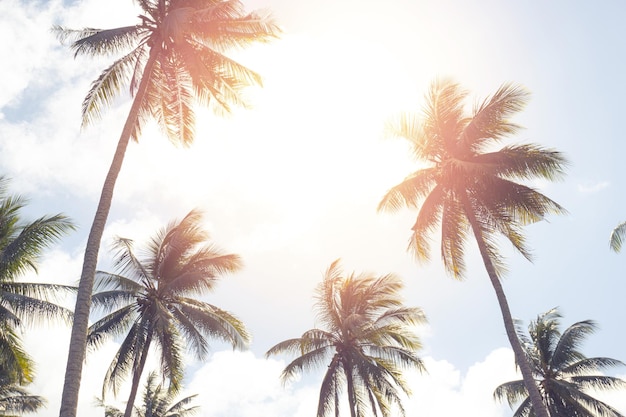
[(520, 356), (78, 338), (137, 371)]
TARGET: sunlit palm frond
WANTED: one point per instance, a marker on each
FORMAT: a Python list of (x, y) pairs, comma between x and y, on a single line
[(307, 361), (513, 392), (91, 41), (617, 237), (28, 301), (124, 360), (524, 162), (410, 192), (108, 85), (331, 388), (428, 217), (170, 345), (21, 244), (566, 350), (588, 365), (454, 233), (223, 30), (125, 261), (116, 323), (489, 121), (17, 365)]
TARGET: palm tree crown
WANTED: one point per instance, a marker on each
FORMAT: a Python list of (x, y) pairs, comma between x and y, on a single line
[(564, 373), (152, 300), (177, 50), (368, 338), (23, 303), (470, 187), (157, 402)]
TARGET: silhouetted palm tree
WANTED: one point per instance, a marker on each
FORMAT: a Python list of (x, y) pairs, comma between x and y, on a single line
[(172, 58), (366, 341), (471, 188), (23, 303), (564, 374), (152, 301), (617, 237), (157, 402)]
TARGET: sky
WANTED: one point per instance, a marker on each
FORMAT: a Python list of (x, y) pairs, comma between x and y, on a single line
[(293, 183)]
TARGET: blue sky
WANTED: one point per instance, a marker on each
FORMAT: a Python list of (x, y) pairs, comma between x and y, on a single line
[(293, 184)]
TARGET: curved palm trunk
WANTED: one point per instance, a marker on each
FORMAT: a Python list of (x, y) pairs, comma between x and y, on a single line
[(78, 338), (522, 361), (138, 370)]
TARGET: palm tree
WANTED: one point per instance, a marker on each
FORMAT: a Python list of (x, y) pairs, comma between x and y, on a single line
[(617, 237), (24, 303), (157, 402), (15, 400), (470, 187), (367, 341), (173, 57), (564, 373), (151, 301)]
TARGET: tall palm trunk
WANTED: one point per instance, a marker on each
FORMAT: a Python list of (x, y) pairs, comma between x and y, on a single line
[(137, 371), (78, 338), (522, 361)]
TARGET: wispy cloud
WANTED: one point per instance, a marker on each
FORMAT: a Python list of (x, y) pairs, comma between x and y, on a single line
[(593, 187)]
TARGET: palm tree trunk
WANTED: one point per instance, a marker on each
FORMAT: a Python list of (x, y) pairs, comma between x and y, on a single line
[(522, 361), (137, 371), (78, 338)]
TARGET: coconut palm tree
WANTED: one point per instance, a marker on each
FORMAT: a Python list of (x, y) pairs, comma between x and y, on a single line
[(172, 58), (151, 301), (22, 304), (617, 237), (564, 374), (157, 402), (366, 341), (15, 400), (470, 187)]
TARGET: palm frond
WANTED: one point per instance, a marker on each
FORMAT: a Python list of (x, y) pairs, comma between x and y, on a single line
[(617, 237), (92, 42), (108, 85)]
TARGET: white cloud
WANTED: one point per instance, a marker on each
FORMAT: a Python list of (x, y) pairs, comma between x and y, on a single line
[(593, 187)]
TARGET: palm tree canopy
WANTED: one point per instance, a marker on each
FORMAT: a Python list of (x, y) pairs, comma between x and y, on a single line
[(22, 244), (152, 297), (187, 40), (368, 338), (157, 402), (469, 175), (566, 377), (617, 237)]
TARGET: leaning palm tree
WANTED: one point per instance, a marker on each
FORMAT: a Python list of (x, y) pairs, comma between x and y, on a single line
[(15, 400), (565, 375), (617, 237), (471, 188), (173, 57), (151, 301), (157, 402), (367, 340), (23, 303)]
